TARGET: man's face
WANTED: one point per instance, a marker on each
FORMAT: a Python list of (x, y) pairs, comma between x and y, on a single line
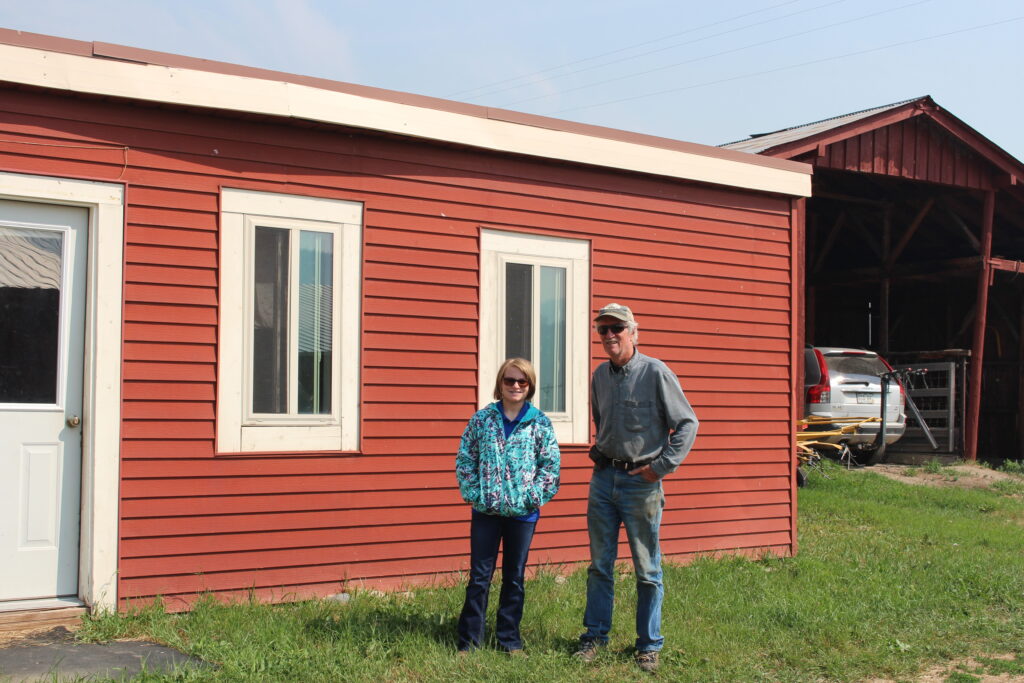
[(616, 339)]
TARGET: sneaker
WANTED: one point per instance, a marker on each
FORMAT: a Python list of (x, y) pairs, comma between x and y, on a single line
[(517, 653), (647, 661), (587, 650)]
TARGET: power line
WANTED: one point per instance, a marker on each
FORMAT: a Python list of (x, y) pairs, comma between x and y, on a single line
[(793, 66), (462, 93), (716, 54), (668, 47)]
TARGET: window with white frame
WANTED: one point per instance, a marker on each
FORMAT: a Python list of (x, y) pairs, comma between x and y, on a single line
[(534, 294), (289, 323)]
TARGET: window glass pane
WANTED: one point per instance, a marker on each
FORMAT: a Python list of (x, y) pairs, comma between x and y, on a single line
[(856, 365), (552, 340), (31, 264), (270, 321), (316, 267), (518, 310)]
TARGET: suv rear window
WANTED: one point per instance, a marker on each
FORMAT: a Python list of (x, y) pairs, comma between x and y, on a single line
[(856, 365)]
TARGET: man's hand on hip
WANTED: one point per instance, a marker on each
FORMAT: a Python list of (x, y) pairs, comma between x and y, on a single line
[(646, 472)]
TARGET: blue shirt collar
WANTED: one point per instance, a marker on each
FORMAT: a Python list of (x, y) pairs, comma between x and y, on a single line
[(522, 412)]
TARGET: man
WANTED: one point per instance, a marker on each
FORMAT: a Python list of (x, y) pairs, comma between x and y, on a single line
[(645, 427)]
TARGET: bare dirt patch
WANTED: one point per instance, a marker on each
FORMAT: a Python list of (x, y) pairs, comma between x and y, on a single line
[(965, 667), (953, 476), (37, 635)]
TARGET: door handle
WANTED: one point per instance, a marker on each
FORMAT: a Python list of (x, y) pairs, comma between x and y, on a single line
[(74, 421)]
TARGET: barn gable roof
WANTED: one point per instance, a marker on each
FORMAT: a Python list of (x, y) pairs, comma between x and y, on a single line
[(758, 143), (798, 142)]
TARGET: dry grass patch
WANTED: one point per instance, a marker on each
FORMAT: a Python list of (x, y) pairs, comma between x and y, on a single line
[(953, 476)]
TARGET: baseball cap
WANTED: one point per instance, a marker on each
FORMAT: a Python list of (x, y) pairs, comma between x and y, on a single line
[(616, 311)]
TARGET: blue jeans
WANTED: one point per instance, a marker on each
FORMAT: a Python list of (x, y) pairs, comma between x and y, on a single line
[(485, 534), (618, 498)]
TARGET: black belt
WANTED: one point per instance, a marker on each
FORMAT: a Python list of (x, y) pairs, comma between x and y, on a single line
[(625, 465), (601, 461)]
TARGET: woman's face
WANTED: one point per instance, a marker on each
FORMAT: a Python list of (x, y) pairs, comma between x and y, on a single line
[(516, 393)]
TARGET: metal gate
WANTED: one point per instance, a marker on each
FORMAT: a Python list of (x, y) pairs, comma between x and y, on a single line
[(939, 395)]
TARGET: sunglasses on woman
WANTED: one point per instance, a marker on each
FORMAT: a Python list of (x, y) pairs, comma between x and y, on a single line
[(510, 382), (617, 328)]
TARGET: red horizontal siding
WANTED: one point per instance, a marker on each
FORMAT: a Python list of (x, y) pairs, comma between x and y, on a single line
[(393, 522), (707, 270), (914, 148)]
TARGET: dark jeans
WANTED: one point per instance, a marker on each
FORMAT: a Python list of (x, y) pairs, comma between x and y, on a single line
[(618, 499), (485, 534)]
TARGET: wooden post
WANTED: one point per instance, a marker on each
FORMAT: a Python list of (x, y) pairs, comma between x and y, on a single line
[(883, 297), (883, 318), (810, 238), (1020, 384), (980, 319), (809, 308)]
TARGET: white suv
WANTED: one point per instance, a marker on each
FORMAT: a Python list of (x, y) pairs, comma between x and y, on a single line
[(846, 383)]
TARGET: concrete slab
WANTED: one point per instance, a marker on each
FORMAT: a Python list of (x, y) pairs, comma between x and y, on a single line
[(55, 656)]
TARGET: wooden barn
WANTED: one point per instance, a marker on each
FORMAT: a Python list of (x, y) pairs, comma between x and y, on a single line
[(247, 314), (915, 247)]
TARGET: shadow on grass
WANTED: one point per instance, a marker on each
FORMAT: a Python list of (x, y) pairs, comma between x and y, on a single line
[(383, 626), (398, 626)]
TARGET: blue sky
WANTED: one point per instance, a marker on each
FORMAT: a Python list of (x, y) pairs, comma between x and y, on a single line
[(708, 72)]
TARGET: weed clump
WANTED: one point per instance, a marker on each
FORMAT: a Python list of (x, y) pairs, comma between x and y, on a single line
[(1013, 467)]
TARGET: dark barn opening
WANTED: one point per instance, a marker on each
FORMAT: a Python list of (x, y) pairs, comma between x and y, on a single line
[(914, 248)]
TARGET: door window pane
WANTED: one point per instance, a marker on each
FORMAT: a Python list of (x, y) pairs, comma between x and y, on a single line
[(519, 311), (270, 321), (316, 267), (552, 340), (31, 267)]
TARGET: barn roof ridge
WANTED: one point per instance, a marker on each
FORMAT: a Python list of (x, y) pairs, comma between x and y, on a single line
[(844, 118)]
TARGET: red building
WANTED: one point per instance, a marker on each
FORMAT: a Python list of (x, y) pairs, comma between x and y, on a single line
[(281, 298)]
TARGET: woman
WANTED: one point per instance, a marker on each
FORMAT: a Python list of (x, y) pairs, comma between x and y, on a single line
[(507, 467)]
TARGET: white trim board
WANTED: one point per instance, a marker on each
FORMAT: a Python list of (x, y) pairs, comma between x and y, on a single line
[(101, 413), (196, 88)]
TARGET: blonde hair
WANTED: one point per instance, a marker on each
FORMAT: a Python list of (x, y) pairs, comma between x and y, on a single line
[(522, 365)]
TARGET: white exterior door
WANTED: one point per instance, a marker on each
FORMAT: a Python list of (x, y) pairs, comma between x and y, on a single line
[(42, 318)]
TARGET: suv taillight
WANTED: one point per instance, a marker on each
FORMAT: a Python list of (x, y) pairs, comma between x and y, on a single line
[(822, 391)]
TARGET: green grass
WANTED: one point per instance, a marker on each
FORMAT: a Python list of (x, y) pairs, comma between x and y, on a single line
[(889, 578)]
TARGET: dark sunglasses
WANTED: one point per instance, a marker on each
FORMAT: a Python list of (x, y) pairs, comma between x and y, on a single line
[(509, 382), (616, 329)]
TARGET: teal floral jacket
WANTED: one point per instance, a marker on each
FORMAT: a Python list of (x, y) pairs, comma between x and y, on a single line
[(509, 478)]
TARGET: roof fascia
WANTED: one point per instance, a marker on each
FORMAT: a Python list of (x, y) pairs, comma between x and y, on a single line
[(128, 73), (980, 144)]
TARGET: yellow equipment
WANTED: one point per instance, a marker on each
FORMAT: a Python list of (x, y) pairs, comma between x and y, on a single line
[(810, 444)]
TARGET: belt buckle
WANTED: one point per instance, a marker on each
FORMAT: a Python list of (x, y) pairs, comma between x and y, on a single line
[(623, 465)]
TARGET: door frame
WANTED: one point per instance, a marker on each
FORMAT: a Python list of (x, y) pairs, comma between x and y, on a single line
[(101, 386)]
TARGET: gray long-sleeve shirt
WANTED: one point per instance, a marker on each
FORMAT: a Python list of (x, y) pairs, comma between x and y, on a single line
[(640, 412)]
